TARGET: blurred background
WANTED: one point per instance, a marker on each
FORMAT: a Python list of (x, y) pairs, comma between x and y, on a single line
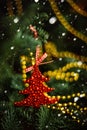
[(60, 28)]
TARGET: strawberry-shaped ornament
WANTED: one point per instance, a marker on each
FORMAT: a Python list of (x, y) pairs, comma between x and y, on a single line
[(37, 90)]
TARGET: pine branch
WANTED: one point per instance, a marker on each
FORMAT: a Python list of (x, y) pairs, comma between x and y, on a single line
[(43, 116), (10, 121)]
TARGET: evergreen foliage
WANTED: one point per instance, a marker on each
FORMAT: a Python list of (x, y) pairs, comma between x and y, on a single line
[(17, 40)]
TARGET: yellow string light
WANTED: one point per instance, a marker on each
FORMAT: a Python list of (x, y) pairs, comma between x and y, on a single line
[(19, 6), (23, 66), (65, 108), (77, 8), (67, 97), (51, 50), (10, 8), (65, 23), (61, 73), (71, 96), (24, 60)]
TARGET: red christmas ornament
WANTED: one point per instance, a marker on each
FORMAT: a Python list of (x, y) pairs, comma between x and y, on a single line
[(37, 90)]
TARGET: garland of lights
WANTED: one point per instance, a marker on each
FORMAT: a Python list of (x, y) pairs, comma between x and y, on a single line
[(61, 73), (52, 51), (65, 22), (77, 8), (67, 76), (23, 65), (65, 108), (10, 8), (19, 6)]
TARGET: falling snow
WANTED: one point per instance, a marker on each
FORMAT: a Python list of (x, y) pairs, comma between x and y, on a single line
[(52, 20), (16, 20), (22, 36), (76, 99), (36, 1), (46, 126), (79, 63), (59, 115), (5, 91), (78, 70), (62, 1), (82, 46), (3, 34), (12, 47), (60, 59), (18, 30), (74, 39), (63, 34), (10, 24)]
